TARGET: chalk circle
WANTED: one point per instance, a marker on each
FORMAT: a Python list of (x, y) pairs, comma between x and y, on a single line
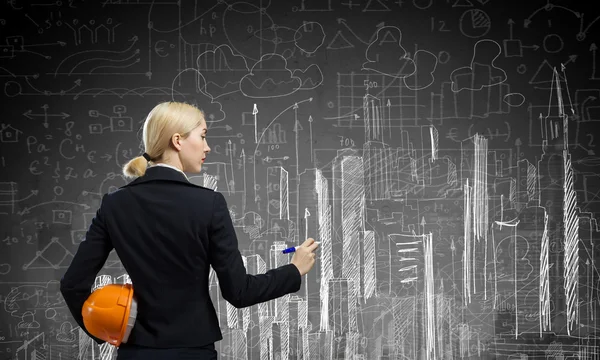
[(4, 268), (554, 247), (553, 43), (514, 99), (50, 314), (522, 69), (291, 53), (330, 104), (242, 141), (475, 23), (426, 4), (12, 89), (580, 36), (307, 47), (443, 55)]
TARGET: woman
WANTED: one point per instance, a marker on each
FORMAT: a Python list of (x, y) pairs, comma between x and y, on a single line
[(167, 233)]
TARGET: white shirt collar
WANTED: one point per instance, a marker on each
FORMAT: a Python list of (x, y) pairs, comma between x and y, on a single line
[(172, 167)]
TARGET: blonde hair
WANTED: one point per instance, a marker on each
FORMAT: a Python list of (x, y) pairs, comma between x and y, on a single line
[(164, 120)]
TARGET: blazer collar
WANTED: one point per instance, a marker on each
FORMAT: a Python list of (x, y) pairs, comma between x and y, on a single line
[(161, 173)]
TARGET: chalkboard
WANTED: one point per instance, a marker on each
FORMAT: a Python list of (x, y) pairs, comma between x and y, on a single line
[(442, 152)]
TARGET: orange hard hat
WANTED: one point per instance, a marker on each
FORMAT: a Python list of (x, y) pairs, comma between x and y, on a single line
[(109, 313)]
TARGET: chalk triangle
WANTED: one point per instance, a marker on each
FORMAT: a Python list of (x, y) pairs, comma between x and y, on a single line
[(376, 5), (339, 42), (544, 74), (388, 37)]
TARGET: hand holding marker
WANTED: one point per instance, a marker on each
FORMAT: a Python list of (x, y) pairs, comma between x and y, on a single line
[(304, 256), (289, 250)]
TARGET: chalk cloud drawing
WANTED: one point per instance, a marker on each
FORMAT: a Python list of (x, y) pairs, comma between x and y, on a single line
[(222, 70), (482, 71), (269, 78), (385, 54), (188, 86)]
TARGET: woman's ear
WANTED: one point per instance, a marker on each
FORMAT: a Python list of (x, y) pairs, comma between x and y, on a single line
[(176, 141)]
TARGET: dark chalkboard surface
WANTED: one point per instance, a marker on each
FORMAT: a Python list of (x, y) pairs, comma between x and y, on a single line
[(443, 152)]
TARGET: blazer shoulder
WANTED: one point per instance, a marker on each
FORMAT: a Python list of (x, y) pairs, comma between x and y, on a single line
[(188, 187), (202, 188), (140, 180)]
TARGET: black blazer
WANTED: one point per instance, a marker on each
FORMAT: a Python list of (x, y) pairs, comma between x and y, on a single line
[(167, 233)]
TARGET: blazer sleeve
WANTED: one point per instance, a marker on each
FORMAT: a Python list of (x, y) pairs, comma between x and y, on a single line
[(239, 288), (77, 282)]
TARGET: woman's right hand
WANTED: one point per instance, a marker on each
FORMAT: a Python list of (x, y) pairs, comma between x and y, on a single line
[(304, 257)]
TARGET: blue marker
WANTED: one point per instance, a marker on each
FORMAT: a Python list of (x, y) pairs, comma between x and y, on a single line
[(293, 248), (289, 250)]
